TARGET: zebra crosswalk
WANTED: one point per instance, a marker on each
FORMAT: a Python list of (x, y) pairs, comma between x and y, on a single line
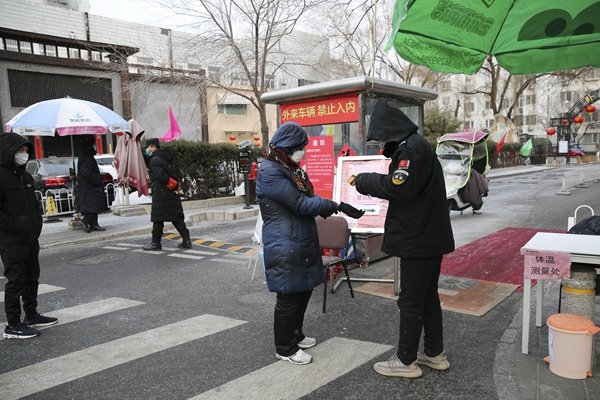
[(42, 289)]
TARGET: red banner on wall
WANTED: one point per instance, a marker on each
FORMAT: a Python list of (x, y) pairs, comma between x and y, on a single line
[(329, 110), (318, 161)]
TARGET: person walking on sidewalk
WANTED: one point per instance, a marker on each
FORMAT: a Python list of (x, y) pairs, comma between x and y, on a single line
[(89, 196), (418, 230), (20, 228), (166, 204), (292, 256)]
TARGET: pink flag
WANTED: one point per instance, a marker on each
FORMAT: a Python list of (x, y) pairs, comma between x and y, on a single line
[(174, 131)]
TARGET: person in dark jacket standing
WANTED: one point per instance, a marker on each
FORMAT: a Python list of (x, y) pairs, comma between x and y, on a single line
[(418, 230), (20, 228), (89, 196), (292, 255), (166, 204)]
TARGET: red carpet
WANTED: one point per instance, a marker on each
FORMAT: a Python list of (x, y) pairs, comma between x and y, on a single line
[(496, 257)]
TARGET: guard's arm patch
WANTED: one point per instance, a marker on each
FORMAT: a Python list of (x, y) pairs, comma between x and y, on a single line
[(401, 174)]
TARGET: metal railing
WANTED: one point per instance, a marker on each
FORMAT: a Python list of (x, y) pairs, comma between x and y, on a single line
[(57, 202)]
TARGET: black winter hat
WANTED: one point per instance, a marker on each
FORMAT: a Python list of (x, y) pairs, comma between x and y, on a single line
[(389, 124), (153, 142)]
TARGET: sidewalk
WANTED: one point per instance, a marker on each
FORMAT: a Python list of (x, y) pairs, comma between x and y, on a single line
[(56, 234)]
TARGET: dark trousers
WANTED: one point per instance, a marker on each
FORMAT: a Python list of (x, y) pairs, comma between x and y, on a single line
[(420, 309), (90, 219), (22, 271), (289, 318), (158, 227)]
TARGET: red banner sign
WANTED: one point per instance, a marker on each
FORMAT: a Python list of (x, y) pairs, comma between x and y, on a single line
[(318, 162), (329, 110)]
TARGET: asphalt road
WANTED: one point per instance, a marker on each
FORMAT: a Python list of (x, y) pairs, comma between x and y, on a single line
[(182, 325)]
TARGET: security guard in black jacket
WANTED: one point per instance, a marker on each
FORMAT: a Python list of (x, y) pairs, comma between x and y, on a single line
[(20, 228), (417, 229)]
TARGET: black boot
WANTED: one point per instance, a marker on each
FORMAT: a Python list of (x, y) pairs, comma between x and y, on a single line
[(153, 246), (186, 243)]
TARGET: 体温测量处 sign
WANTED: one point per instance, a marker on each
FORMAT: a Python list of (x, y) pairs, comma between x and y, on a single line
[(546, 265), (329, 110)]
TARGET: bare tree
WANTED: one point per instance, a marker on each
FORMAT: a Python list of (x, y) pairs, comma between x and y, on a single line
[(243, 38)]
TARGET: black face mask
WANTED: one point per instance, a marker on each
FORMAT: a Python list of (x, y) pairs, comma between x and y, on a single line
[(389, 149)]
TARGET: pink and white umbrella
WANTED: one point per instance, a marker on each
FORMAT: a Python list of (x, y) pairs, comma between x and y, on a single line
[(66, 116)]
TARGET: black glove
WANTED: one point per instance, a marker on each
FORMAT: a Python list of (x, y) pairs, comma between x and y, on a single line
[(350, 211), (330, 209)]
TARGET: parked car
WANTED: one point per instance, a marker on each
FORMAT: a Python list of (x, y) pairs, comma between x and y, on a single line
[(105, 163), (53, 174), (574, 151)]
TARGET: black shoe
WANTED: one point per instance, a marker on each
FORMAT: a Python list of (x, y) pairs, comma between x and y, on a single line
[(40, 320), (86, 227), (185, 244), (20, 331), (98, 228), (152, 247)]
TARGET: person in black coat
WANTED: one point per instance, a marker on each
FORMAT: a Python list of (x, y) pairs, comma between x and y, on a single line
[(418, 230), (166, 204), (89, 195), (20, 228)]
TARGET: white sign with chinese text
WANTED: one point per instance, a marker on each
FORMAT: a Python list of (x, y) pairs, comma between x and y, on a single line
[(546, 265)]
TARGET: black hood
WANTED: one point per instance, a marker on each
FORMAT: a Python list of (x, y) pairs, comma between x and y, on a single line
[(389, 124), (9, 143), (165, 154)]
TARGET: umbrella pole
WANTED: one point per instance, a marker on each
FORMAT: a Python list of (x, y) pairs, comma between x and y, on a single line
[(75, 222)]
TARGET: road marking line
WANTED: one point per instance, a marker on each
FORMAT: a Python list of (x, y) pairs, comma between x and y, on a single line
[(234, 248), (148, 251), (238, 256), (56, 371), (89, 310), (222, 260), (192, 257), (217, 244), (128, 244), (332, 359), (42, 289), (199, 241), (203, 253), (115, 248)]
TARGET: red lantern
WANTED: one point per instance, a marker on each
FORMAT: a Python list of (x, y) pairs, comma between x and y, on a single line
[(256, 139), (550, 131), (578, 120), (565, 122), (590, 108), (232, 138)]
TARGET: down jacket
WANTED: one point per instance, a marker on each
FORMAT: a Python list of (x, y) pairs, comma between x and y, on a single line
[(166, 204), (20, 210), (292, 254), (417, 223), (89, 196)]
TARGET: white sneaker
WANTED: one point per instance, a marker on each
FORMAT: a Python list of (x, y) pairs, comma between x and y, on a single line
[(299, 358), (307, 342)]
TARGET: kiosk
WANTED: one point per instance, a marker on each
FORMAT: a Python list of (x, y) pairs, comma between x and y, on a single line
[(340, 111)]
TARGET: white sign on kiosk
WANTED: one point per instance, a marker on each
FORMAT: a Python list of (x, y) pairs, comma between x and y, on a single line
[(375, 208)]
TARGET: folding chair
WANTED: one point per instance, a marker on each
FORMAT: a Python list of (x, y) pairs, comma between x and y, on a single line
[(333, 235), (256, 244)]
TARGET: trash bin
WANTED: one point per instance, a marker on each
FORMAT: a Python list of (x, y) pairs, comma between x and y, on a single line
[(570, 339), (579, 291)]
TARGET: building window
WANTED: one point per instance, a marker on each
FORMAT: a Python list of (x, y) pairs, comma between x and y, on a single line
[(488, 105), (270, 81), (62, 52), (469, 125), (214, 74), (489, 123), (530, 120), (567, 96), (50, 50), (469, 107), (84, 54), (74, 53), (38, 49), (194, 67), (144, 60), (446, 101), (518, 120), (528, 100), (12, 45), (96, 56), (232, 109), (25, 47)]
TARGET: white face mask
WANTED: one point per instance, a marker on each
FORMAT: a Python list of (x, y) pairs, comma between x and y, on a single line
[(21, 159), (297, 156)]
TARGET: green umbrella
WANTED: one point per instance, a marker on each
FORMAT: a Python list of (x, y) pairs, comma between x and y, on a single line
[(525, 36), (526, 148)]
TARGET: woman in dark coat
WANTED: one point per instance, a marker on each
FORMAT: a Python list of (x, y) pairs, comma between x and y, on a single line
[(166, 204), (292, 255), (89, 195)]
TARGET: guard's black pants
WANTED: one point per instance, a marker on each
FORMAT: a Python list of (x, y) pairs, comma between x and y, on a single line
[(158, 227), (289, 318), (420, 308), (22, 271)]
